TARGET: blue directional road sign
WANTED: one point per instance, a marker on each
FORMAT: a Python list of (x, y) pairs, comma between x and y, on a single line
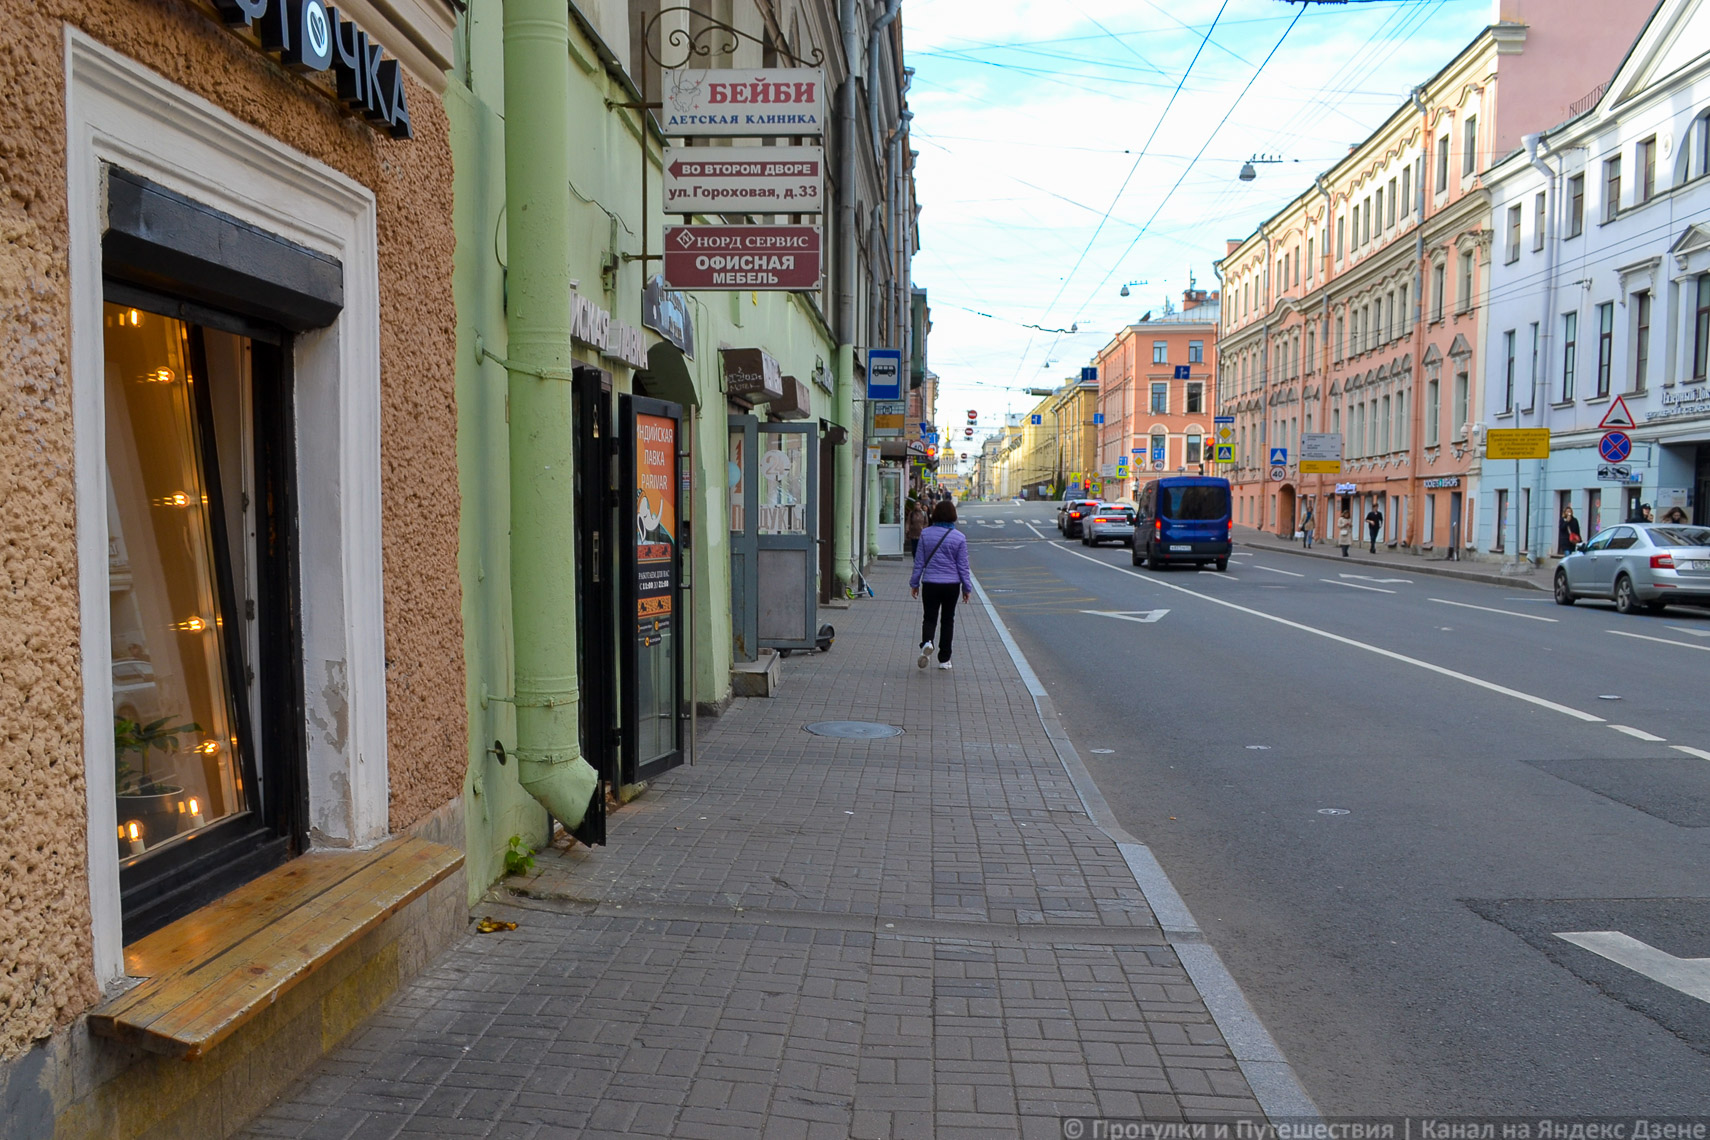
[(1137, 451), (1089, 375), (1037, 418), (1157, 455), (1181, 372), (1279, 457), (1098, 417), (1615, 446)]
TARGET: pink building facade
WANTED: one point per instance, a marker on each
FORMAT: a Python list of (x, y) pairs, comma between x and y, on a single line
[(1358, 308), (1157, 381)]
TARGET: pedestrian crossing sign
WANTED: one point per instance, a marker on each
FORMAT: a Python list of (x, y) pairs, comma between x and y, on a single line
[(1225, 453)]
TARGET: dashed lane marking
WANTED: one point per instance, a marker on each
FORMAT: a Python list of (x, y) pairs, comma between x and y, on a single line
[(1491, 610), (1274, 570), (1478, 682), (1356, 586), (1661, 640), (1640, 734), (1698, 752)]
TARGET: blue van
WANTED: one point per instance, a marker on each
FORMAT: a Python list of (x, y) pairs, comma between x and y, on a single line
[(1183, 518)]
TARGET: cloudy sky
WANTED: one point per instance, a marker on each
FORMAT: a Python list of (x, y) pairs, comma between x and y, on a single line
[(1034, 118)]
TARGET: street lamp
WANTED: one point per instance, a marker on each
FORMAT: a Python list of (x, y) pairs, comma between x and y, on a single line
[(1247, 171), (1124, 290)]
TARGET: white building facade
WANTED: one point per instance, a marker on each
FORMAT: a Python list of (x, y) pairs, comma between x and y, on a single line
[(1599, 300)]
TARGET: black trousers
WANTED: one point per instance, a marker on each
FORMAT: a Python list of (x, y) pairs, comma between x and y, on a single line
[(939, 598)]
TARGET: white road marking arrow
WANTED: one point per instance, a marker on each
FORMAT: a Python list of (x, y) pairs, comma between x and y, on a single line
[(1691, 976), (1369, 578), (1145, 617)]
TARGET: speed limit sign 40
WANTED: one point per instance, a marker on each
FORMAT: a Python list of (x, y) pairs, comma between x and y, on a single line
[(1279, 473)]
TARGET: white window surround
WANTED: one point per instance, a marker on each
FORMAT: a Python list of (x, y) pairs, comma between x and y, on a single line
[(119, 112)]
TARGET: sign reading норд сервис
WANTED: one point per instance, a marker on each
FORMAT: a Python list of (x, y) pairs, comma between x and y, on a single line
[(741, 101)]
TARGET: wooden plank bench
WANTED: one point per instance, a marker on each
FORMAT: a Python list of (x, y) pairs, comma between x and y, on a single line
[(212, 971)]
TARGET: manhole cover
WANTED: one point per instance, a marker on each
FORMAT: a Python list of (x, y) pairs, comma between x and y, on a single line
[(853, 729), (1332, 811)]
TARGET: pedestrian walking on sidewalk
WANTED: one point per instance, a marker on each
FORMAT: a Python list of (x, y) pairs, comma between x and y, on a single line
[(1567, 533), (940, 573), (1374, 525), (916, 524), (1308, 522), (1345, 531)]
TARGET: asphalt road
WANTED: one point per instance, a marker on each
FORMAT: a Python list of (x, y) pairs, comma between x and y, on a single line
[(1384, 796)]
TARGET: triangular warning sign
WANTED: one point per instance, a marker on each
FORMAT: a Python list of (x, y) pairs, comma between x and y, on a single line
[(1618, 416)]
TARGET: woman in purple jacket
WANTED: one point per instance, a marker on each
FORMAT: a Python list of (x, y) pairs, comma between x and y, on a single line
[(941, 569)]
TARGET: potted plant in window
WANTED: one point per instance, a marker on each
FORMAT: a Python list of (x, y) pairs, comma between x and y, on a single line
[(143, 798)]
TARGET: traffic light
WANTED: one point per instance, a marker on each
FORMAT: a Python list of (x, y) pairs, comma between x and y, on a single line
[(932, 453)]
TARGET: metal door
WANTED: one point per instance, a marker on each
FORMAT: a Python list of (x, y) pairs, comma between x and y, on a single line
[(784, 471), (1455, 522), (651, 621), (744, 538), (595, 579)]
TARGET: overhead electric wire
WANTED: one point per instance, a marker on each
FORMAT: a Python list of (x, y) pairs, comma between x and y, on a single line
[(1156, 127), (1208, 138)]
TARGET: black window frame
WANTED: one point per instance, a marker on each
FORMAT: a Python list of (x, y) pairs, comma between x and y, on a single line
[(1605, 347), (1611, 188), (165, 253), (1576, 205), (1641, 340)]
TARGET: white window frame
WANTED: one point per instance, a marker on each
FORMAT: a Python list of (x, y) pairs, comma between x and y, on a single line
[(119, 112)]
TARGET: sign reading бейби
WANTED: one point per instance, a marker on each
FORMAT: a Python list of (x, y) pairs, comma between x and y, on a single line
[(740, 101)]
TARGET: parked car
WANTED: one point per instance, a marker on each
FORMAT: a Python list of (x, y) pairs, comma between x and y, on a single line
[(1108, 522), (1641, 566), (1070, 515), (1183, 518)]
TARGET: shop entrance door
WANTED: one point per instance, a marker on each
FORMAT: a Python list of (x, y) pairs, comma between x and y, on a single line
[(786, 485), (890, 528), (596, 521), (650, 622)]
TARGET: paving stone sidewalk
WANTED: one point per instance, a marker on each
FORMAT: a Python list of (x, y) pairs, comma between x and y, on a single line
[(800, 936)]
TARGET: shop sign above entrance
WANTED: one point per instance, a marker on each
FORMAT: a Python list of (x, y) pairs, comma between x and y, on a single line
[(737, 258), (737, 101), (748, 179), (309, 35), (751, 375), (592, 325)]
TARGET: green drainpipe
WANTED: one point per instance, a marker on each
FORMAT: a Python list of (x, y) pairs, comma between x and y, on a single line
[(848, 462), (543, 533)]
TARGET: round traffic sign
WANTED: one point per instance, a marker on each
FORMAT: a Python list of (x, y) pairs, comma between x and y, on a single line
[(1279, 473), (1615, 446)]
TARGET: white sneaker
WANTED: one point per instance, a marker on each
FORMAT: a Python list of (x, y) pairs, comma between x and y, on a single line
[(944, 664), (925, 652)]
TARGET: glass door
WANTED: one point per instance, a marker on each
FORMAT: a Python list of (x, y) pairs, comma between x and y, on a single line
[(785, 469), (651, 629), (890, 529)]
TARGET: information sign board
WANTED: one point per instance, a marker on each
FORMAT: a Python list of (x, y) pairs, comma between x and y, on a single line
[(884, 374), (743, 101), (744, 179), (1517, 443), (1320, 453), (740, 258)]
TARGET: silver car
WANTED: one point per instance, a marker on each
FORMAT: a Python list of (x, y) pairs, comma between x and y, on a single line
[(1108, 522), (1641, 566)]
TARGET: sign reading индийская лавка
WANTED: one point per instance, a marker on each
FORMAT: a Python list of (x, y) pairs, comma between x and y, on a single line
[(309, 35)]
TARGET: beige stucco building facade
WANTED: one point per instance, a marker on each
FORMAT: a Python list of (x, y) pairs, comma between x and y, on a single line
[(229, 633)]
